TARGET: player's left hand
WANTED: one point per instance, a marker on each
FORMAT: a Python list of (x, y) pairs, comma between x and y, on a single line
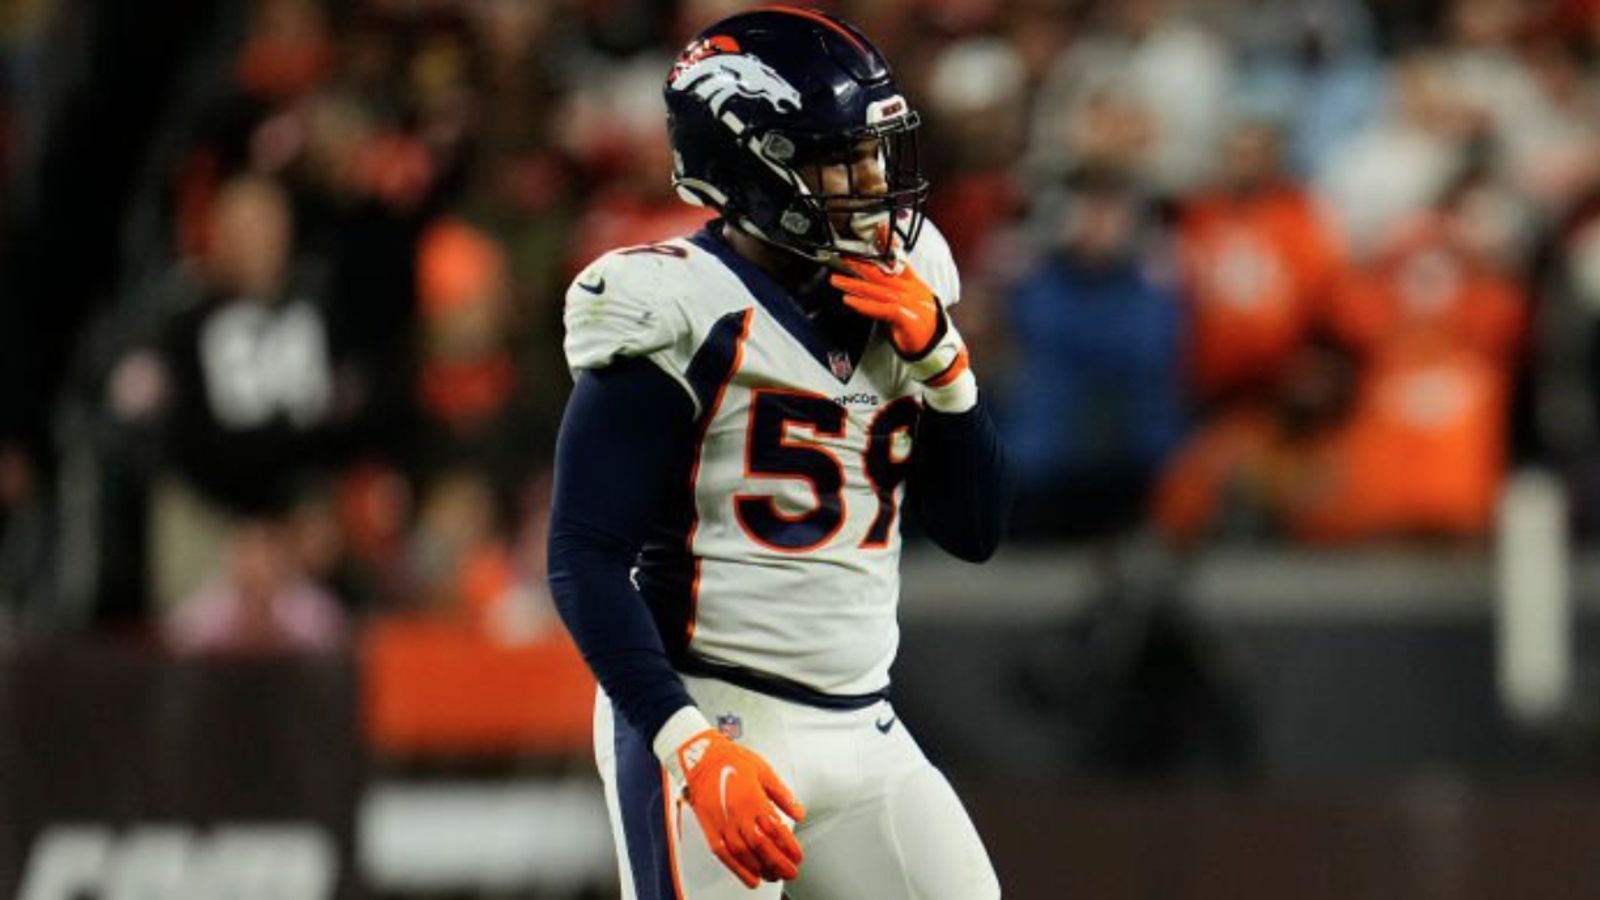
[(919, 329), (897, 298)]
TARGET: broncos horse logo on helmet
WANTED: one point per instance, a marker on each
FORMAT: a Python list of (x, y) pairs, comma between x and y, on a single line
[(761, 98), (719, 77)]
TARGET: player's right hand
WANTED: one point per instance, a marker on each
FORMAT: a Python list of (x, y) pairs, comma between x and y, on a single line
[(736, 797)]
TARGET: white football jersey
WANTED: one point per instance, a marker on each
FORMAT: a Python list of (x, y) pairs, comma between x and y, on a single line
[(784, 556)]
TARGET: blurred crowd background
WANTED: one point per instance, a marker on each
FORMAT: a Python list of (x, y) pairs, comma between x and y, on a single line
[(1277, 302), (280, 281)]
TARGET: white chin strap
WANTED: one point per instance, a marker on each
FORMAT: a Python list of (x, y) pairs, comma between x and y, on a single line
[(844, 248), (869, 233)]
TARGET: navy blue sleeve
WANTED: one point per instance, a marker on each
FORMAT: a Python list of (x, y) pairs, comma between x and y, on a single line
[(627, 432), (960, 483)]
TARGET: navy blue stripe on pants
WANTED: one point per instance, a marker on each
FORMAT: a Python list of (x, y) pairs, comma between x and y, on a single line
[(643, 806)]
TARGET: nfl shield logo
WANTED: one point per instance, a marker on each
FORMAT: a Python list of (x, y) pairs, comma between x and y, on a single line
[(839, 365), (731, 726)]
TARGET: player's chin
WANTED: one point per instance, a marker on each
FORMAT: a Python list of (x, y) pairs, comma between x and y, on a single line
[(844, 211), (873, 235)]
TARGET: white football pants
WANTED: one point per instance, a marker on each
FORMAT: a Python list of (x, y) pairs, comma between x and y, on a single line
[(881, 822)]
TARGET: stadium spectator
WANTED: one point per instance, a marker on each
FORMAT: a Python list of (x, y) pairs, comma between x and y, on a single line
[(27, 536), (1481, 59), (1311, 64), (1553, 149), (466, 374), (1407, 437), (1259, 261), (474, 393), (255, 400), (289, 51), (465, 573), (1404, 158), (1148, 57), (1411, 446), (616, 134), (254, 397), (976, 107), (1095, 400), (977, 110), (1262, 468), (1441, 322), (261, 602)]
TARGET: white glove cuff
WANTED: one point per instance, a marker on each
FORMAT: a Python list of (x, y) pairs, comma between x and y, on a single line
[(684, 724), (940, 358), (958, 396)]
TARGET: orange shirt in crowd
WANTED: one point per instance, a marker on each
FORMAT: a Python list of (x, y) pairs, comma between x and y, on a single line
[(1232, 459), (1246, 469), (1423, 452), (1424, 283), (1255, 268), (1425, 449)]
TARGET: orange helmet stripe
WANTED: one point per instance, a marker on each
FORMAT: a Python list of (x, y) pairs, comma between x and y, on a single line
[(818, 18)]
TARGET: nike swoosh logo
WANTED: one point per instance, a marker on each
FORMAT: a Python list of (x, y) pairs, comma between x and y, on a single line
[(883, 727), (599, 287), (727, 772)]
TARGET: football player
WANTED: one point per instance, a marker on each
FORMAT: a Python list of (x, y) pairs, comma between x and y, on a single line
[(753, 404)]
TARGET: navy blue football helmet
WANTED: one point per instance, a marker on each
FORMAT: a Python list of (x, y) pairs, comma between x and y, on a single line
[(759, 103)]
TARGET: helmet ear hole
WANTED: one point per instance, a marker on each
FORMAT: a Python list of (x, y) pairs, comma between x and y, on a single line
[(795, 222), (689, 195), (778, 148), (697, 192)]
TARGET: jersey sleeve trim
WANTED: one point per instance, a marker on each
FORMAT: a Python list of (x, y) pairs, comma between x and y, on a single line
[(716, 360)]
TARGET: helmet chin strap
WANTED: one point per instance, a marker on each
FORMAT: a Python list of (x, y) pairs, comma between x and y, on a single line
[(824, 257), (821, 255), (874, 236), (867, 236), (872, 230)]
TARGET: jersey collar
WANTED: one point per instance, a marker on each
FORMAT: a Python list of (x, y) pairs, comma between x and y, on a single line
[(779, 304)]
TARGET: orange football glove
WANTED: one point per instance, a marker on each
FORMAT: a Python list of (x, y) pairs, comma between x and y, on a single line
[(732, 791), (898, 299), (919, 329)]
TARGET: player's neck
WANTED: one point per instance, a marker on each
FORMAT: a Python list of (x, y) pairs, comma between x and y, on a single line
[(794, 272)]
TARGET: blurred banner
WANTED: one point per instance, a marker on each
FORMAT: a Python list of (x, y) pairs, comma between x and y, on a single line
[(417, 766), (1307, 726), (1428, 839), (123, 774)]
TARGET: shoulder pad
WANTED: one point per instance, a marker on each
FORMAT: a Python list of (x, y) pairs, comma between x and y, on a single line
[(932, 261), (624, 304)]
